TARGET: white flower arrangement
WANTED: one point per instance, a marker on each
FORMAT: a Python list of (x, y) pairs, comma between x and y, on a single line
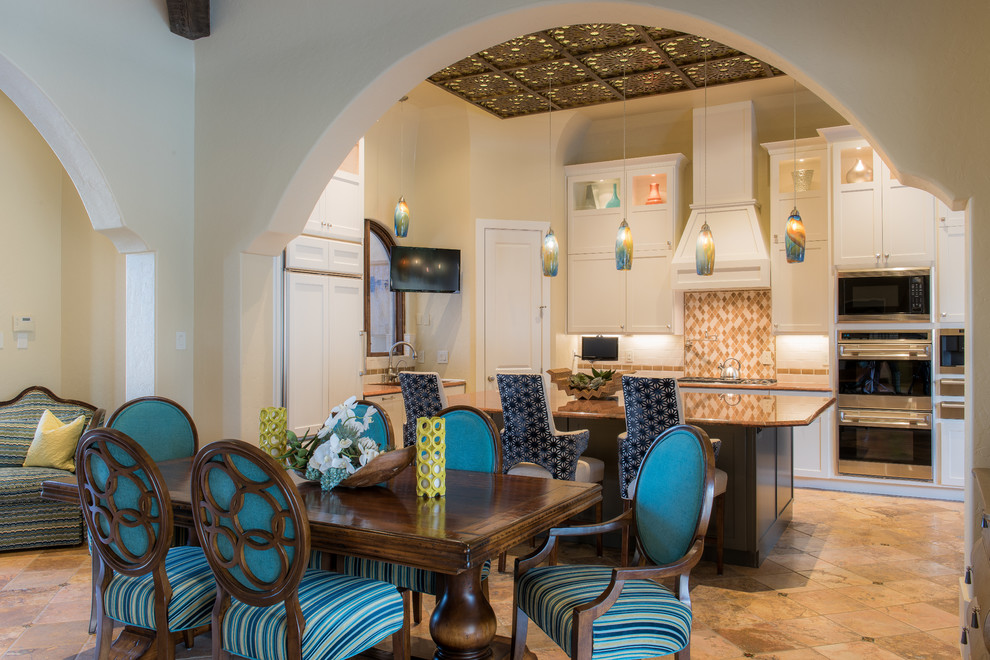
[(341, 448)]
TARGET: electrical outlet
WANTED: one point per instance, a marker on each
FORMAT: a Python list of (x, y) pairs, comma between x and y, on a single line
[(180, 341), (423, 319), (628, 358), (766, 358), (441, 357)]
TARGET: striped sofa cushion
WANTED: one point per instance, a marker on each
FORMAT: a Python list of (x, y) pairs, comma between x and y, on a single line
[(131, 599), (39, 523), (18, 422), (415, 579), (647, 620), (20, 484), (344, 615)]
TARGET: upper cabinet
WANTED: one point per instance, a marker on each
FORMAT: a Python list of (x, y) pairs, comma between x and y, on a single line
[(877, 221), (646, 191), (950, 269), (339, 213), (799, 176)]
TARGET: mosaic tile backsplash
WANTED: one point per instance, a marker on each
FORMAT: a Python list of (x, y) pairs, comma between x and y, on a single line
[(724, 324)]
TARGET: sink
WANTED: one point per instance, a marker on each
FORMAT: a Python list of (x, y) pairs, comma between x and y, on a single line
[(727, 381)]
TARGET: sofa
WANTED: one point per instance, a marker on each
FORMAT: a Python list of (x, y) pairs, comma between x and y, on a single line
[(26, 520)]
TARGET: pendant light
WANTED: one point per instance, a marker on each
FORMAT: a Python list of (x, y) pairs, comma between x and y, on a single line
[(400, 218), (794, 234), (704, 250), (623, 238), (550, 249)]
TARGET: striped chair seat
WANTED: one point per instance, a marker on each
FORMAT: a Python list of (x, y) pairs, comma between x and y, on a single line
[(131, 600), (405, 577), (344, 615), (647, 620)]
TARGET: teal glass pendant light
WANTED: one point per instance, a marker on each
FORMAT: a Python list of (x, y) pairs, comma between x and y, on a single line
[(623, 238), (794, 234), (400, 218), (550, 250), (704, 250), (549, 253)]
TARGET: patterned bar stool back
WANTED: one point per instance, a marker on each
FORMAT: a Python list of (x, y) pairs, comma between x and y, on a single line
[(422, 396), (652, 406)]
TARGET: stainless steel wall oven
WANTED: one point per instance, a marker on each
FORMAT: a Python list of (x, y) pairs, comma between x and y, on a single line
[(884, 382)]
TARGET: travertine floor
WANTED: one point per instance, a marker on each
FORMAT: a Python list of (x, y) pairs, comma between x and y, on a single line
[(854, 577)]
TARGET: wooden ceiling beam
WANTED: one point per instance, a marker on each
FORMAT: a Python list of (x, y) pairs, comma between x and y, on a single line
[(189, 18)]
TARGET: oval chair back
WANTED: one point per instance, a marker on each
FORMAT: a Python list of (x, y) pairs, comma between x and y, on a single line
[(380, 428), (652, 405), (674, 493), (422, 396), (125, 503), (473, 442), (160, 425), (252, 524)]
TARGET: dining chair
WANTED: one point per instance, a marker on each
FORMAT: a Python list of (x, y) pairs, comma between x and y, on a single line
[(160, 425), (422, 396), (255, 534), (472, 444), (624, 613), (140, 579), (380, 428), (532, 445), (653, 405)]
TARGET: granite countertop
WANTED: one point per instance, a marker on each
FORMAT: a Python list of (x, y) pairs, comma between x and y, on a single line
[(379, 389), (699, 407), (782, 385)]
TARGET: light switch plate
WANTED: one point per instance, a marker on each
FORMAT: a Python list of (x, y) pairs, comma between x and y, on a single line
[(1, 340), (180, 341), (441, 357)]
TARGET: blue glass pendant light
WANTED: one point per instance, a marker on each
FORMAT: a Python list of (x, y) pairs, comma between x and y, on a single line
[(550, 249), (623, 238), (704, 250), (400, 219), (794, 234)]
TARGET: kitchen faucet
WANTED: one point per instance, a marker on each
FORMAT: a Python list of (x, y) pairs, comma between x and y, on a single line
[(392, 373)]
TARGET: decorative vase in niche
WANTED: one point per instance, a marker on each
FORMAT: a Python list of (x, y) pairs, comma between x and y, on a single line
[(859, 173), (802, 180), (655, 196), (589, 198), (614, 203)]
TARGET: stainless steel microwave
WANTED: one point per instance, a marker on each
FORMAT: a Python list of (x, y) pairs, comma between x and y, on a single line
[(894, 295)]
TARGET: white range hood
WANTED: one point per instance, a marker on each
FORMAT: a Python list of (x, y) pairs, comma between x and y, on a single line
[(729, 205)]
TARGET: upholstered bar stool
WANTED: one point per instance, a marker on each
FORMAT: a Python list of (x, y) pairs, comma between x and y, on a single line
[(653, 405), (531, 444), (422, 396)]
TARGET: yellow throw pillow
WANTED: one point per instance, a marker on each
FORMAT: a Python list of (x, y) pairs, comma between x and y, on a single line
[(54, 444)]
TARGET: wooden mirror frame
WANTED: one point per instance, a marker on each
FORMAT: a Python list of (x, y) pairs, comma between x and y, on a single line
[(385, 236)]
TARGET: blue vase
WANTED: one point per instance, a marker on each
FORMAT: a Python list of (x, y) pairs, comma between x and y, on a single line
[(614, 203)]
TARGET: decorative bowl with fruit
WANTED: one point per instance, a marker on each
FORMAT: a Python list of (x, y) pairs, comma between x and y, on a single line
[(596, 385)]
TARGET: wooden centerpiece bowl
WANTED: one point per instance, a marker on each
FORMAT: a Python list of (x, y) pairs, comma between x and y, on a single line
[(562, 377), (381, 468)]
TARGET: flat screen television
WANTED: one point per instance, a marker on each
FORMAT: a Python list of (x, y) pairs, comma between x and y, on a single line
[(602, 349), (424, 269)]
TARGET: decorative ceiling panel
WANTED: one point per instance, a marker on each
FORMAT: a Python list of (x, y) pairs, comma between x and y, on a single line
[(589, 64)]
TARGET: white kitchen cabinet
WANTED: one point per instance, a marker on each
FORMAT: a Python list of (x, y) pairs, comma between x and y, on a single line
[(799, 292), (950, 267), (813, 444), (396, 411), (339, 213), (600, 298), (324, 255), (877, 222), (952, 452), (323, 345)]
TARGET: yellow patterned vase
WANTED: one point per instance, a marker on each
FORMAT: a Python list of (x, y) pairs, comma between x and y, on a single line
[(272, 427), (431, 457)]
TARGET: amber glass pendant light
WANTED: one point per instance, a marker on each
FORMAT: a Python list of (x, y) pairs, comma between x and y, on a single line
[(704, 249), (400, 218), (550, 250), (623, 238), (794, 234)]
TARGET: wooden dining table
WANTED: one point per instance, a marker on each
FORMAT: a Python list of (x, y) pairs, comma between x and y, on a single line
[(481, 515)]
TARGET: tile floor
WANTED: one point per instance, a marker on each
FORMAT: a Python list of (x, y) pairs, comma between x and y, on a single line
[(854, 576)]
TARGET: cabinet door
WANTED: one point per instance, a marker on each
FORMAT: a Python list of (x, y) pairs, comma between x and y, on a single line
[(396, 411), (346, 312), (799, 292), (952, 452), (308, 253), (345, 209), (857, 230), (950, 271), (808, 450), (596, 294), (649, 299), (307, 340), (317, 223), (908, 224), (592, 224), (649, 203)]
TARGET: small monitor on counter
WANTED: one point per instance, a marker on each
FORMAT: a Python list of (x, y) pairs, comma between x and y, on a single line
[(600, 349)]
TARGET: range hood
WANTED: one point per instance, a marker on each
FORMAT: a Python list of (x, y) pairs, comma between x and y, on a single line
[(729, 205)]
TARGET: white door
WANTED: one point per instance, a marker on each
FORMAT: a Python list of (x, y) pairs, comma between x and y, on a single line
[(346, 312), (307, 341), (514, 323)]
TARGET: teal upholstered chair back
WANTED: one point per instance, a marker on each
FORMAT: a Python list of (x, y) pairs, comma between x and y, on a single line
[(472, 439), (124, 501), (380, 429), (161, 426), (251, 522), (19, 419), (674, 493)]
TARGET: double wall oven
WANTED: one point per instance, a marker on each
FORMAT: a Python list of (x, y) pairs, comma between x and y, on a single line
[(884, 399)]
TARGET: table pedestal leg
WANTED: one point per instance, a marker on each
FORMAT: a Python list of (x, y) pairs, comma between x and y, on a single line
[(463, 623)]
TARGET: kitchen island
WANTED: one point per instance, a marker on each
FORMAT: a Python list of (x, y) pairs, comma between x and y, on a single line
[(756, 453)]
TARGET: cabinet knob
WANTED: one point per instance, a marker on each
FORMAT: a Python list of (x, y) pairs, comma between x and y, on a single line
[(944, 314), (942, 219), (491, 379), (969, 575), (886, 256), (974, 620), (983, 521), (965, 638)]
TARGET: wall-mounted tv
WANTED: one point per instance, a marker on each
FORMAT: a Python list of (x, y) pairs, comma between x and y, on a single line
[(604, 349), (423, 269)]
